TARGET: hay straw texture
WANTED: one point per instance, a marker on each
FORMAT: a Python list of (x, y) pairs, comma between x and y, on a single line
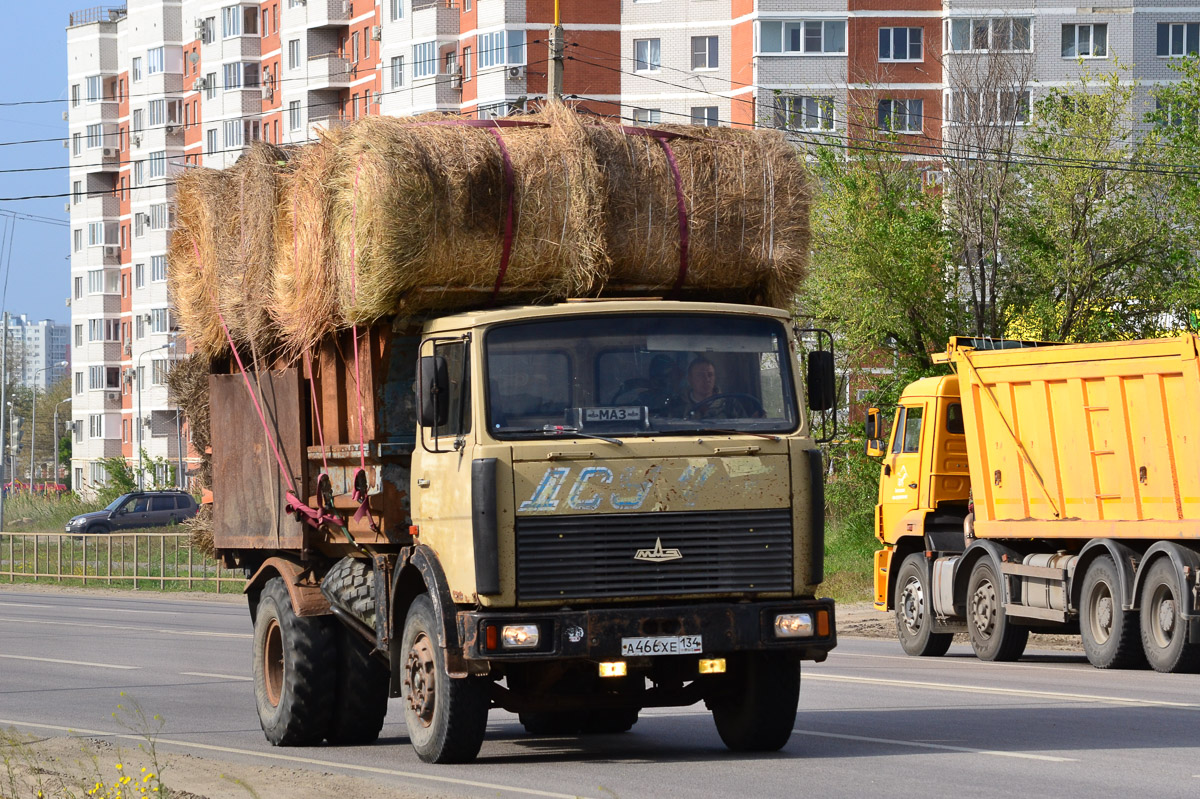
[(401, 216)]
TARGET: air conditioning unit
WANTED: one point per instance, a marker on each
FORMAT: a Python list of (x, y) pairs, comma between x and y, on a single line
[(456, 76), (516, 73), (66, 142), (376, 33), (112, 396), (201, 84), (111, 251), (110, 152), (67, 207), (66, 115), (172, 128)]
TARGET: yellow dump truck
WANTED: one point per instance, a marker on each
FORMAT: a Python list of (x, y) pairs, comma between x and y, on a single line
[(1046, 487)]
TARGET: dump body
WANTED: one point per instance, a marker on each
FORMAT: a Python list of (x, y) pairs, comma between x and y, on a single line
[(1047, 486)]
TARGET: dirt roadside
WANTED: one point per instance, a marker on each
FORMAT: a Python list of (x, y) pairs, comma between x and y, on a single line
[(861, 620)]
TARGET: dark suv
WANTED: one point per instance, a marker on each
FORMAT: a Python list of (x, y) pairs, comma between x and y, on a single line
[(139, 509)]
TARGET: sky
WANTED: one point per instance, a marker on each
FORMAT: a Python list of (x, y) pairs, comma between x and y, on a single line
[(33, 66)]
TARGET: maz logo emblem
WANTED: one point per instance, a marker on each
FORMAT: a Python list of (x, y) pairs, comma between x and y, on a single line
[(658, 553)]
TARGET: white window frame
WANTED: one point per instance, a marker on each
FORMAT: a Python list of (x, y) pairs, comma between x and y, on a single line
[(158, 268), (397, 69), (294, 54), (647, 116), (796, 37), (95, 89), (891, 38), (159, 320), (706, 115), (706, 52), (95, 136), (647, 56), (425, 60), (989, 27), (158, 164), (1082, 36), (902, 109), (231, 22), (294, 122), (139, 276), (806, 112), (396, 8), (995, 103), (135, 69), (156, 60), (1182, 50)]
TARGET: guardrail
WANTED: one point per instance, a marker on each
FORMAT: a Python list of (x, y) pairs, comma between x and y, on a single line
[(137, 560)]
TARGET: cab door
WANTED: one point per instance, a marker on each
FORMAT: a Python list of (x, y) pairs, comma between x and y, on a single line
[(899, 484)]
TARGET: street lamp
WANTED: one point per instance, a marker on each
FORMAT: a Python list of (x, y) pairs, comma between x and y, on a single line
[(140, 422), (33, 424), (54, 441)]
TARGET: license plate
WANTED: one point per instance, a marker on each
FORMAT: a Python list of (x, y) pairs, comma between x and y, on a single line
[(661, 645), (632, 413)]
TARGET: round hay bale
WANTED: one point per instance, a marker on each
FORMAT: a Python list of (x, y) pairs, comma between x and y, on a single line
[(202, 214)]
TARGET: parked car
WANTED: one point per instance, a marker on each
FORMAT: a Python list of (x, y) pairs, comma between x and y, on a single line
[(136, 510)]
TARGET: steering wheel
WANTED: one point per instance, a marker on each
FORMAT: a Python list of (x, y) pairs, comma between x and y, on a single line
[(750, 399)]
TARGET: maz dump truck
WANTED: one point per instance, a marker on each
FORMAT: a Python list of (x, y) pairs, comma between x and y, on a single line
[(571, 512), (1046, 487)]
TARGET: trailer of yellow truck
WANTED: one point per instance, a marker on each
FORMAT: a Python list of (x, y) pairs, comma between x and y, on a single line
[(1046, 487)]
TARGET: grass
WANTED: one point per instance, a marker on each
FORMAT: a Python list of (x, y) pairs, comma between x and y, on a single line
[(42, 513), (849, 560)]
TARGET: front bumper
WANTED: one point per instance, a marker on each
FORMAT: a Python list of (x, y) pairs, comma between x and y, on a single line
[(596, 634)]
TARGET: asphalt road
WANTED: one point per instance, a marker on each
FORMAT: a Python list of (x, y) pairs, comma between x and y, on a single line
[(871, 721)]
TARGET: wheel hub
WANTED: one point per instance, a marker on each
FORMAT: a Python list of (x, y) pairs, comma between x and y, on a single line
[(419, 680), (983, 608), (273, 663), (1166, 616), (912, 605)]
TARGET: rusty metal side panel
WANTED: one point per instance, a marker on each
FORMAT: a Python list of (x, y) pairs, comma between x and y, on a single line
[(248, 490)]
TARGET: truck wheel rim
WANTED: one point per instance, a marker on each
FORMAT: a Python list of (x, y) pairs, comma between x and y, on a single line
[(273, 662), (912, 605), (1162, 607), (983, 608), (1103, 612), (419, 680)]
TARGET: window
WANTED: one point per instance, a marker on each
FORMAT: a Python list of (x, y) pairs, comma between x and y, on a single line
[(135, 69), (972, 106), (466, 63), (96, 430), (139, 275), (210, 85), (804, 113), (78, 287), (293, 115), (354, 48), (95, 234), (807, 36), (139, 121), (647, 55), (139, 173), (140, 326), (95, 136), (458, 421), (233, 133), (76, 143), (158, 113), (705, 115), (158, 320), (294, 54), (451, 63), (155, 61), (76, 192), (77, 239), (1177, 39), (79, 343), (425, 59), (210, 140), (501, 48), (231, 21), (160, 216), (900, 44), (74, 94), (912, 429), (95, 281), (95, 88), (158, 371), (397, 9), (158, 268), (1001, 33), (646, 116), (158, 164), (1085, 41), (704, 52), (901, 116), (208, 30), (233, 75), (397, 71)]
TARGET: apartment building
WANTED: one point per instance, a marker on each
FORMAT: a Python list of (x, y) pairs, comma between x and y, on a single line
[(36, 348), (159, 86)]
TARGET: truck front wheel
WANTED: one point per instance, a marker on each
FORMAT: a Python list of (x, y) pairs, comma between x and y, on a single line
[(758, 711), (994, 636), (914, 611), (446, 718), (1164, 630), (294, 661), (1110, 634)]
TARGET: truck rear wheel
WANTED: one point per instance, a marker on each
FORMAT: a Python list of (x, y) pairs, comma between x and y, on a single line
[(1110, 634), (294, 661), (362, 692), (1164, 631), (994, 636), (758, 712), (446, 718), (914, 612)]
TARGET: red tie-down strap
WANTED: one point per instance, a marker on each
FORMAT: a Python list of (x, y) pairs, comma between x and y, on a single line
[(664, 137)]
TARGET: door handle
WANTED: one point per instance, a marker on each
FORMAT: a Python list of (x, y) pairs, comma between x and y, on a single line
[(422, 482)]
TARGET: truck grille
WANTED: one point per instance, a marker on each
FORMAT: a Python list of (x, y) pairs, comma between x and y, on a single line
[(591, 556)]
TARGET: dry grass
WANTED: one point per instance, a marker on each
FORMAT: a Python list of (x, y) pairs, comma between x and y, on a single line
[(187, 384)]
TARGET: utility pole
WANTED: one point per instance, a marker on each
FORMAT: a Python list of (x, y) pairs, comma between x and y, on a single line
[(3, 404), (554, 78)]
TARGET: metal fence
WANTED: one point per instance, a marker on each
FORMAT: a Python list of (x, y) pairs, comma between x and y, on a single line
[(139, 560)]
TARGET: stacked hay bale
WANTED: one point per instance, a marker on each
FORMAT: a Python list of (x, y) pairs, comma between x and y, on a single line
[(403, 216)]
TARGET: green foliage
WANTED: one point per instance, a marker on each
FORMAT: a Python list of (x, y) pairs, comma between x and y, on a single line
[(39, 512), (121, 480)]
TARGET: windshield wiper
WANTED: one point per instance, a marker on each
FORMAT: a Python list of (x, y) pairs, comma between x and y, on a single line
[(723, 432), (563, 430)]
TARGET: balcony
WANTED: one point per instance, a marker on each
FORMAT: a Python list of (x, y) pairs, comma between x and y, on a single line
[(328, 13), (97, 14), (328, 71), (327, 122), (434, 19)]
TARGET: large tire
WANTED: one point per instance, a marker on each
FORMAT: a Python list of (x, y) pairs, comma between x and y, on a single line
[(759, 712), (914, 611), (994, 636), (1164, 634), (294, 666), (362, 692), (1110, 634), (350, 585), (446, 718)]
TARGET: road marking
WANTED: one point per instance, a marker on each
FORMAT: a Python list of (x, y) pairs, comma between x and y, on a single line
[(973, 662), (974, 689), (945, 747), (216, 676), (26, 605), (69, 662), (90, 626), (330, 764)]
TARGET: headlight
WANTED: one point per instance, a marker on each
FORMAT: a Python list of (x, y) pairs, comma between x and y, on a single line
[(519, 636), (793, 625)]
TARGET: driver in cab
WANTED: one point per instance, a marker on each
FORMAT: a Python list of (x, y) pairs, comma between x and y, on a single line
[(701, 399)]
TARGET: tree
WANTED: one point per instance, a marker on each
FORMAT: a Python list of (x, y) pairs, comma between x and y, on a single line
[(1093, 235)]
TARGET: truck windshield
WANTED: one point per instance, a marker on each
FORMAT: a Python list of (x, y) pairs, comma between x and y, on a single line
[(639, 375)]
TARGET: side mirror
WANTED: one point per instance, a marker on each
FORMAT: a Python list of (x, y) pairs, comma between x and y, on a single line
[(874, 435), (433, 390), (822, 383)]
